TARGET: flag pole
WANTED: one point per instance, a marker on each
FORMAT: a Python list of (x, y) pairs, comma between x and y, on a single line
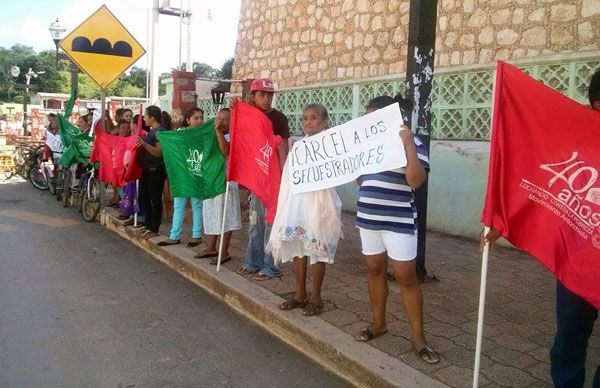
[(135, 215), (482, 291), (223, 226), (484, 268)]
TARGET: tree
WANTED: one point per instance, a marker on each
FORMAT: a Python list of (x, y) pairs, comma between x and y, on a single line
[(203, 70), (137, 77), (226, 69), (226, 72)]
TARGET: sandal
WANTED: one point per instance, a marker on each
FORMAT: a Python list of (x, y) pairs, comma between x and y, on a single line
[(168, 242), (215, 260), (194, 242), (428, 355), (291, 304), (262, 276), (206, 255), (312, 309), (244, 271), (367, 335)]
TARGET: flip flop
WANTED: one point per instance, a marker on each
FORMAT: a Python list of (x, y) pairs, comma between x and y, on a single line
[(206, 255), (312, 309), (167, 243), (367, 335), (291, 304), (215, 260), (193, 243), (244, 271), (428, 355)]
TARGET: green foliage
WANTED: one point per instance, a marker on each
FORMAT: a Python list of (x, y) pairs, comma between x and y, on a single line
[(57, 76)]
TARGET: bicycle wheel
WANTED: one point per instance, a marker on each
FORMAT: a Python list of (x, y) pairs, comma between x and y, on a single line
[(66, 188), (37, 177), (52, 185), (58, 184), (90, 205)]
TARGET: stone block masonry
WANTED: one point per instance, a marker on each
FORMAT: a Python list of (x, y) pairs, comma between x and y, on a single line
[(299, 42)]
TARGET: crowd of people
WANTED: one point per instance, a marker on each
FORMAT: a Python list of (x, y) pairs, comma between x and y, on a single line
[(307, 226)]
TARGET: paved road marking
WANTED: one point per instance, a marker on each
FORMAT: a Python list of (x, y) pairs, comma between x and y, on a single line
[(37, 218)]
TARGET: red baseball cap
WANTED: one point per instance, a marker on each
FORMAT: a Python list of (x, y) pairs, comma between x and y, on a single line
[(264, 84)]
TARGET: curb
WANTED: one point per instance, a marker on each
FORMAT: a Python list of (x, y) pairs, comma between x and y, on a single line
[(358, 363)]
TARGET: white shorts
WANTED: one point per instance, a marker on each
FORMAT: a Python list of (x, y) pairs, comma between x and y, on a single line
[(399, 246)]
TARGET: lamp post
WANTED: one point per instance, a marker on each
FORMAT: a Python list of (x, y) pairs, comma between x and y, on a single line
[(218, 94), (15, 71), (57, 30)]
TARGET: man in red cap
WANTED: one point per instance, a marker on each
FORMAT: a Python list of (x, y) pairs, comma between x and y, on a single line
[(256, 260)]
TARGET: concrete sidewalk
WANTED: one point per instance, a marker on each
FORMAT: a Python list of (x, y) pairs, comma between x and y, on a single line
[(518, 329)]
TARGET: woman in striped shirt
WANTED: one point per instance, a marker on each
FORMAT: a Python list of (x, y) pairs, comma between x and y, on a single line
[(387, 220)]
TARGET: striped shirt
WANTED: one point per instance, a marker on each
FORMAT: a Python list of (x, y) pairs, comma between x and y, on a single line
[(387, 202)]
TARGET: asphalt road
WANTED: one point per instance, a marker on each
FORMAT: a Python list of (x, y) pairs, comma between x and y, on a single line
[(80, 307)]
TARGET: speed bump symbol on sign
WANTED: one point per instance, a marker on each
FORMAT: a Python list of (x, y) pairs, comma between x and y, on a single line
[(102, 47)]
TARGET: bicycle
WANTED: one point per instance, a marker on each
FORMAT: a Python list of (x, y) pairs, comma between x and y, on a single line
[(90, 195), (19, 161), (39, 172)]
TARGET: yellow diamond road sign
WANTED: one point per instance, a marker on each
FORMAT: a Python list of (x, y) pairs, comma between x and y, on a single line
[(102, 47)]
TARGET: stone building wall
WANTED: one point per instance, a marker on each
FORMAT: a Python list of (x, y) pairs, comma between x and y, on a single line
[(302, 42)]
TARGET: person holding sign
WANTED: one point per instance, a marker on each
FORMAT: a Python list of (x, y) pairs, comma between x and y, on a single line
[(307, 226), (387, 220), (192, 118)]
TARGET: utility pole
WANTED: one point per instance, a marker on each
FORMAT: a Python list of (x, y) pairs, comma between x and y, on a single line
[(182, 14), (419, 80)]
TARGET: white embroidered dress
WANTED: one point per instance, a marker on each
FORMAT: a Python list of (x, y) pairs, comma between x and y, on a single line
[(306, 224)]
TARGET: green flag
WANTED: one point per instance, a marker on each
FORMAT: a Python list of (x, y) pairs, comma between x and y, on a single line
[(195, 165), (78, 150), (71, 103), (67, 130)]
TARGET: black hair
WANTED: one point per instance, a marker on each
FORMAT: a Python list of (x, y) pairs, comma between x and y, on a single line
[(225, 110), (126, 110), (123, 121), (406, 105), (594, 88), (51, 115), (153, 111), (189, 113), (86, 117), (135, 121), (165, 120)]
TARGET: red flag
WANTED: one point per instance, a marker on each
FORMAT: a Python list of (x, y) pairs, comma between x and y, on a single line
[(543, 192), (133, 170), (253, 160), (109, 151)]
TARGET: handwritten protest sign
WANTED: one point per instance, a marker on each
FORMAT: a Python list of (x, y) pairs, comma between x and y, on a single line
[(365, 145)]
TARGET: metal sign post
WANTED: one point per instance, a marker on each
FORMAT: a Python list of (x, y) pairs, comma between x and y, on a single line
[(419, 79)]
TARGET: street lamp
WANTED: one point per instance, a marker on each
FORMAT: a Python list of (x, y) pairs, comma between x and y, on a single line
[(218, 94), (15, 71), (58, 32)]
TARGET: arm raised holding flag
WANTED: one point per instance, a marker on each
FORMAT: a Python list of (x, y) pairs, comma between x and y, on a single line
[(257, 130), (543, 196)]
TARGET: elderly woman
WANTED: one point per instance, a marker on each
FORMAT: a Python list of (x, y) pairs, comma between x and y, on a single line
[(307, 227)]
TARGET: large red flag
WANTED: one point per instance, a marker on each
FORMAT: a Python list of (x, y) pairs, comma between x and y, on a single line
[(253, 160), (543, 192), (109, 150)]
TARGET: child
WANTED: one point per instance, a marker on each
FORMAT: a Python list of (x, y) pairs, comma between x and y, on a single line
[(193, 117), (307, 226)]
